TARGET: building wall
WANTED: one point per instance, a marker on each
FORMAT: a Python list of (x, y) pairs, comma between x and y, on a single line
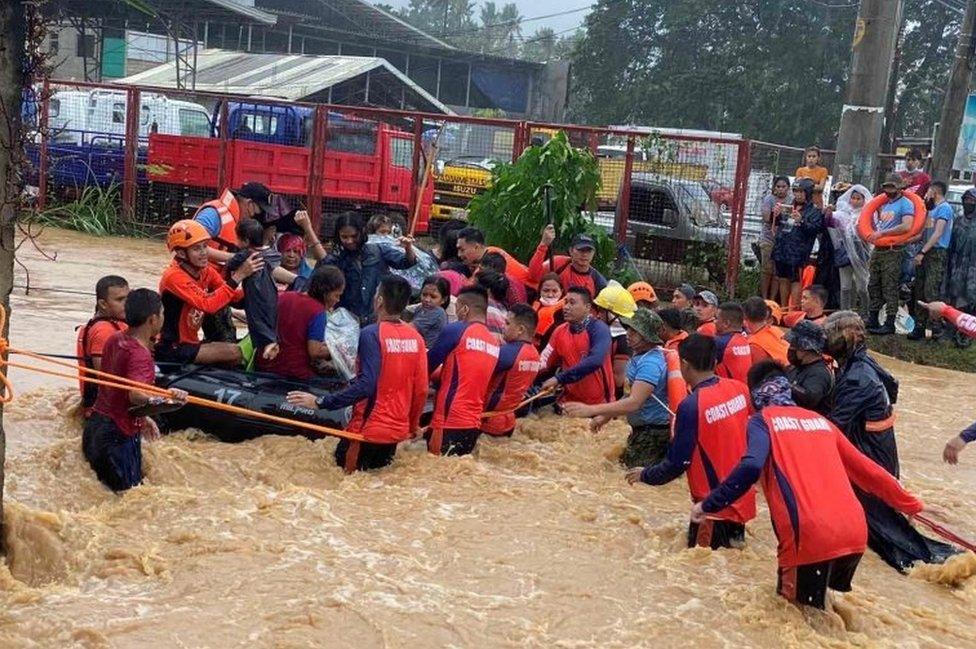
[(62, 42)]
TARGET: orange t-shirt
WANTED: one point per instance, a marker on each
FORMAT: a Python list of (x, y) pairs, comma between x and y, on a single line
[(818, 175)]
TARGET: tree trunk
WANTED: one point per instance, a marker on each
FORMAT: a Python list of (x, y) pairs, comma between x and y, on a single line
[(12, 42), (954, 104)]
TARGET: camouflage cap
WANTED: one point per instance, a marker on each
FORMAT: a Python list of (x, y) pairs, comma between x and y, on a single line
[(806, 336), (647, 323)]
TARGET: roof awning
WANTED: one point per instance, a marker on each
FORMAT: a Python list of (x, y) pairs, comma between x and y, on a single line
[(251, 12), (296, 77)]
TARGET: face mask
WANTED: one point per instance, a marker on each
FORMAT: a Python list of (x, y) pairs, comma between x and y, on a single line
[(968, 208), (792, 357), (548, 301), (929, 203)]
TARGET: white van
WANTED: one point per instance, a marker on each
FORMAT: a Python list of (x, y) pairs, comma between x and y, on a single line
[(97, 116)]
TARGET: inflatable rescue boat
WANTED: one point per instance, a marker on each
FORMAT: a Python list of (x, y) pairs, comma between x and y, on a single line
[(253, 391)]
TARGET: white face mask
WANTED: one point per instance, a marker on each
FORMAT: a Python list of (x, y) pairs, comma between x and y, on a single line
[(548, 301)]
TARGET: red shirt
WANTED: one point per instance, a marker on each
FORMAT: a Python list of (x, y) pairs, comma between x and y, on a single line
[(723, 414), (591, 280), (467, 352), (186, 299), (298, 316), (807, 482), (735, 357), (92, 337), (390, 387), (518, 365), (124, 356), (582, 355)]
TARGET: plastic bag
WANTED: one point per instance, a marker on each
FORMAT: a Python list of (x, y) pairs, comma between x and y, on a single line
[(342, 339), (425, 267)]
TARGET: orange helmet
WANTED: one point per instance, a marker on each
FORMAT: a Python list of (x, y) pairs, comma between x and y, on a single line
[(642, 291), (185, 233)]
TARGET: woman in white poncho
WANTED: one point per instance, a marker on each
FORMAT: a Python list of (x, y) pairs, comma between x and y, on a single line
[(851, 254)]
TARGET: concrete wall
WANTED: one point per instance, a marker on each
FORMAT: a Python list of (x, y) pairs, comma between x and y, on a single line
[(550, 88), (67, 64)]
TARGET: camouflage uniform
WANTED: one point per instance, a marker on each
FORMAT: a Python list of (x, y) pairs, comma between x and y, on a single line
[(885, 270), (928, 285), (646, 446)]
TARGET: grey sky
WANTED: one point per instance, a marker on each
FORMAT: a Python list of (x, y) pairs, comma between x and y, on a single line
[(531, 8)]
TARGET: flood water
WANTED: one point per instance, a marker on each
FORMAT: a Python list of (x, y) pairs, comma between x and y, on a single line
[(535, 541)]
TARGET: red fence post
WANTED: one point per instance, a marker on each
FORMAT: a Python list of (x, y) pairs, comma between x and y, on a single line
[(223, 134), (131, 153), (416, 167), (622, 214), (519, 140), (741, 187), (316, 166), (43, 153)]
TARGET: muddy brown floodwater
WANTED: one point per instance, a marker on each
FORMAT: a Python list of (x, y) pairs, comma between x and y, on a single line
[(535, 541)]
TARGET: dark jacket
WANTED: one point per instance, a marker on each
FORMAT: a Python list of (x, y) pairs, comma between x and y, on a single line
[(794, 243), (364, 269), (864, 393)]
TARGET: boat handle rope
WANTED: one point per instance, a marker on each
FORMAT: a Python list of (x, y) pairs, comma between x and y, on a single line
[(97, 377)]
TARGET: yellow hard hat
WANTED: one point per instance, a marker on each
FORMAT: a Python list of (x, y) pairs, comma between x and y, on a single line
[(616, 299)]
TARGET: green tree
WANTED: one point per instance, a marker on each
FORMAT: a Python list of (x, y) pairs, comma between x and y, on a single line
[(773, 69), (511, 211)]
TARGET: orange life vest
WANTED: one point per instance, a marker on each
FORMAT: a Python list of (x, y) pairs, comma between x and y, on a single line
[(676, 340), (677, 388), (771, 342), (230, 214)]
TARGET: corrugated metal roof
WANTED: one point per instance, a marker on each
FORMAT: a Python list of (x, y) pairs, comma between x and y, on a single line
[(288, 76), (248, 11)]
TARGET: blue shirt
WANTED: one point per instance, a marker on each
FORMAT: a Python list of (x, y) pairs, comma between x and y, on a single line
[(364, 269), (650, 367), (209, 218), (944, 212), (890, 215)]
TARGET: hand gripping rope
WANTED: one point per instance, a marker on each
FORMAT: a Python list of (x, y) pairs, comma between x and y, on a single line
[(106, 379)]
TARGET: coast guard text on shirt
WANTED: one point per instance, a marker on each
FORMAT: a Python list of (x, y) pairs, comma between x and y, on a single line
[(725, 409), (478, 345), (808, 424), (402, 345)]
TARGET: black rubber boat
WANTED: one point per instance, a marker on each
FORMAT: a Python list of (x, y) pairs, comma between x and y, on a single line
[(253, 391)]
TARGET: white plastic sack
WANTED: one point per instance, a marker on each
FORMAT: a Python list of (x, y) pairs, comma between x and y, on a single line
[(342, 339)]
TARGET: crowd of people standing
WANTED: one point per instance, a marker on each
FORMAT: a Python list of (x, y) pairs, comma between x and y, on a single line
[(724, 392), (874, 275)]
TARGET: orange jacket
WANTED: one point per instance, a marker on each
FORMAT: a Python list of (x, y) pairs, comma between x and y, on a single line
[(768, 343)]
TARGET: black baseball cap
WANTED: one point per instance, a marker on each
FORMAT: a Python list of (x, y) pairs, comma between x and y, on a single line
[(258, 193), (582, 241)]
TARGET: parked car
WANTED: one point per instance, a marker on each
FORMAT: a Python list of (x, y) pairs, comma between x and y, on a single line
[(676, 222)]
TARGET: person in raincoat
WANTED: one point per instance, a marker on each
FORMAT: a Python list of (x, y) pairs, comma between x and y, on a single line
[(851, 253), (863, 409), (960, 275)]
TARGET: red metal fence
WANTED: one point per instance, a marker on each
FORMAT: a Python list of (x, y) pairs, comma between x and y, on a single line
[(675, 203)]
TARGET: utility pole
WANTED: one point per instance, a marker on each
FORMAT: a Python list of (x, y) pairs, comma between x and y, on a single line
[(863, 115), (957, 93)]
